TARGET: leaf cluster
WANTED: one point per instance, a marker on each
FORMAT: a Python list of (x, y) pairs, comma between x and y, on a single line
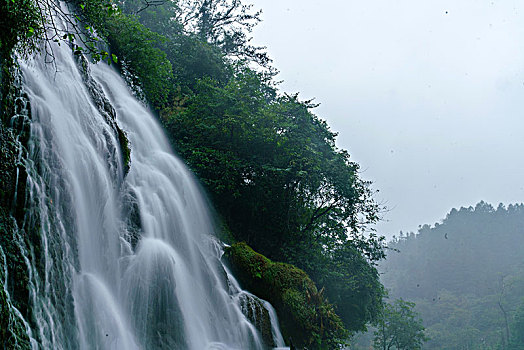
[(399, 327), (19, 21)]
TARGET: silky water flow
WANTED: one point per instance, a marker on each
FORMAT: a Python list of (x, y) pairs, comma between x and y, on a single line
[(126, 256)]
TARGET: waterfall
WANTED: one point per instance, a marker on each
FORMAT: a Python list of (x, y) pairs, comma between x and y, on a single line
[(125, 257)]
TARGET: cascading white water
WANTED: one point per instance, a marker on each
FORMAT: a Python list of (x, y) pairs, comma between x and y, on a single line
[(126, 260)]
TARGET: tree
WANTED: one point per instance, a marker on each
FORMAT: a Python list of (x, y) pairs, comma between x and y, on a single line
[(191, 57), (225, 24), (517, 334), (352, 284), (32, 25), (17, 23), (399, 327)]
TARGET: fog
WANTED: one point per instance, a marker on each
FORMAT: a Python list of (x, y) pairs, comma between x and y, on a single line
[(426, 95)]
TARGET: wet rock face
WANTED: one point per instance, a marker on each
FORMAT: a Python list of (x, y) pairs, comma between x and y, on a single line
[(15, 293), (253, 308), (15, 112), (14, 279), (8, 155), (105, 108), (133, 222), (12, 332)]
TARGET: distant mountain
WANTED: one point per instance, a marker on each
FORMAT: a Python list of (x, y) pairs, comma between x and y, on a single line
[(466, 276)]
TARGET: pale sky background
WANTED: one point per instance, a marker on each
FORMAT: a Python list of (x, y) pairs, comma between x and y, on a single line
[(427, 96)]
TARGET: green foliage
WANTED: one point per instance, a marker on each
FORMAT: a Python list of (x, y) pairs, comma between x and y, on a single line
[(29, 22), (33, 25), (399, 327), (191, 57), (517, 329), (304, 312), (145, 60), (194, 59), (19, 23), (225, 24), (352, 284), (136, 45)]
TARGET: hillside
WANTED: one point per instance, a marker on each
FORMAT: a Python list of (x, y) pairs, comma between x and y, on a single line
[(466, 276)]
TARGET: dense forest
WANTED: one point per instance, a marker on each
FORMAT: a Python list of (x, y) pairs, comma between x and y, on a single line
[(466, 277), (269, 164)]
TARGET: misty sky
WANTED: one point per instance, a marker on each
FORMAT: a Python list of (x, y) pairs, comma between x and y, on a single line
[(428, 96)]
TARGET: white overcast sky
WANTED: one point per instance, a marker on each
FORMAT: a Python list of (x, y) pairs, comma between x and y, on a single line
[(427, 96)]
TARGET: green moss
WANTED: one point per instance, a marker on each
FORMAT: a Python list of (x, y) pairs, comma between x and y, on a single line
[(7, 167), (305, 315), (126, 150)]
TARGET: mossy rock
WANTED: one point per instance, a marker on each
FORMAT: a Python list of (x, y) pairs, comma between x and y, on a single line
[(18, 278), (305, 315), (12, 330), (258, 315), (12, 196), (105, 108), (14, 134), (8, 155), (124, 146)]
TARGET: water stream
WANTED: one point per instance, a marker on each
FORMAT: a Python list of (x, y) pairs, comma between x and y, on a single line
[(126, 256)]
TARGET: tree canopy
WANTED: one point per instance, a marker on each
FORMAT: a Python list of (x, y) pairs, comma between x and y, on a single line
[(399, 327)]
